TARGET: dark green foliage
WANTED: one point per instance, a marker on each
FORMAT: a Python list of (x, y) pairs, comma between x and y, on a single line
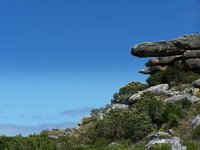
[(161, 147), (191, 145), (196, 133), (33, 142), (126, 91), (153, 107), (172, 76), (126, 124)]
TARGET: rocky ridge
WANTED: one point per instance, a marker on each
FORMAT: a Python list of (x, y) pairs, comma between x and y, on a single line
[(183, 51)]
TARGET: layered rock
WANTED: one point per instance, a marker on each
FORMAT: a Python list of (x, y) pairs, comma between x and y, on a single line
[(185, 50)]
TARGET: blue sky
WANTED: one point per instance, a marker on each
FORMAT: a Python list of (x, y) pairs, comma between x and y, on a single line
[(59, 59)]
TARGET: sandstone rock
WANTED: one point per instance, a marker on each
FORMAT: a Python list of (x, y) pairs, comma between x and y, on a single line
[(191, 54), (193, 64), (163, 61), (153, 49), (196, 83), (153, 69), (173, 142), (191, 41), (183, 53)]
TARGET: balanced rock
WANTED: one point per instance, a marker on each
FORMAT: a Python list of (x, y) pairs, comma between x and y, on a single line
[(182, 53), (154, 49)]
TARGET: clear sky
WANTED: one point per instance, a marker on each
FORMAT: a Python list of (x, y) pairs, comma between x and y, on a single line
[(60, 58)]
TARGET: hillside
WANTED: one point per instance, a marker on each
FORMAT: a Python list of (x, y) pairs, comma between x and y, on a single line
[(163, 114)]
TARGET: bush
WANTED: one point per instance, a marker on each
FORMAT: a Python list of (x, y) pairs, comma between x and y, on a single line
[(124, 124), (126, 91), (191, 145), (153, 107), (196, 133), (161, 147), (172, 76)]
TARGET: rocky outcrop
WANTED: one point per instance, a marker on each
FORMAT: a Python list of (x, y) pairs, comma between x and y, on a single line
[(173, 142), (171, 96), (184, 49)]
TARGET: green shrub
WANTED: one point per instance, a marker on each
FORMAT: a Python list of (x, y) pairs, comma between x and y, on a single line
[(191, 145), (124, 124), (172, 76), (126, 91), (153, 107), (161, 147), (196, 133)]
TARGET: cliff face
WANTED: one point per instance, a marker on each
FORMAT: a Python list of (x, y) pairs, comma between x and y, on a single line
[(184, 51)]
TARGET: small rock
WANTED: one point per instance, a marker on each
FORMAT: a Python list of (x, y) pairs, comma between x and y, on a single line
[(196, 83)]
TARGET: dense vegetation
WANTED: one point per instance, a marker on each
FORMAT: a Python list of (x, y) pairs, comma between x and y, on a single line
[(115, 129), (173, 76)]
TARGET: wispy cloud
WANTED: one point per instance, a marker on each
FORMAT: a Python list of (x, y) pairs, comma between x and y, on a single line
[(13, 129), (76, 112)]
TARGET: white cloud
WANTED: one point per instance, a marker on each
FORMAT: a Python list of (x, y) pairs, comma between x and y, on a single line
[(76, 112), (13, 129)]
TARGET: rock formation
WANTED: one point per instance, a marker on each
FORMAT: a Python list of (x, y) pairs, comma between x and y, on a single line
[(184, 50)]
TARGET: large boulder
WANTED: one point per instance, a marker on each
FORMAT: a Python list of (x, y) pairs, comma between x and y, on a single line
[(183, 52), (173, 142), (153, 49)]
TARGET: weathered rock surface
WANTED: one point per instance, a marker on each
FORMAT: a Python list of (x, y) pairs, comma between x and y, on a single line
[(153, 49), (172, 96), (195, 121), (178, 97), (185, 50), (173, 142), (153, 69), (158, 89), (191, 41), (191, 54), (193, 64), (163, 61)]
